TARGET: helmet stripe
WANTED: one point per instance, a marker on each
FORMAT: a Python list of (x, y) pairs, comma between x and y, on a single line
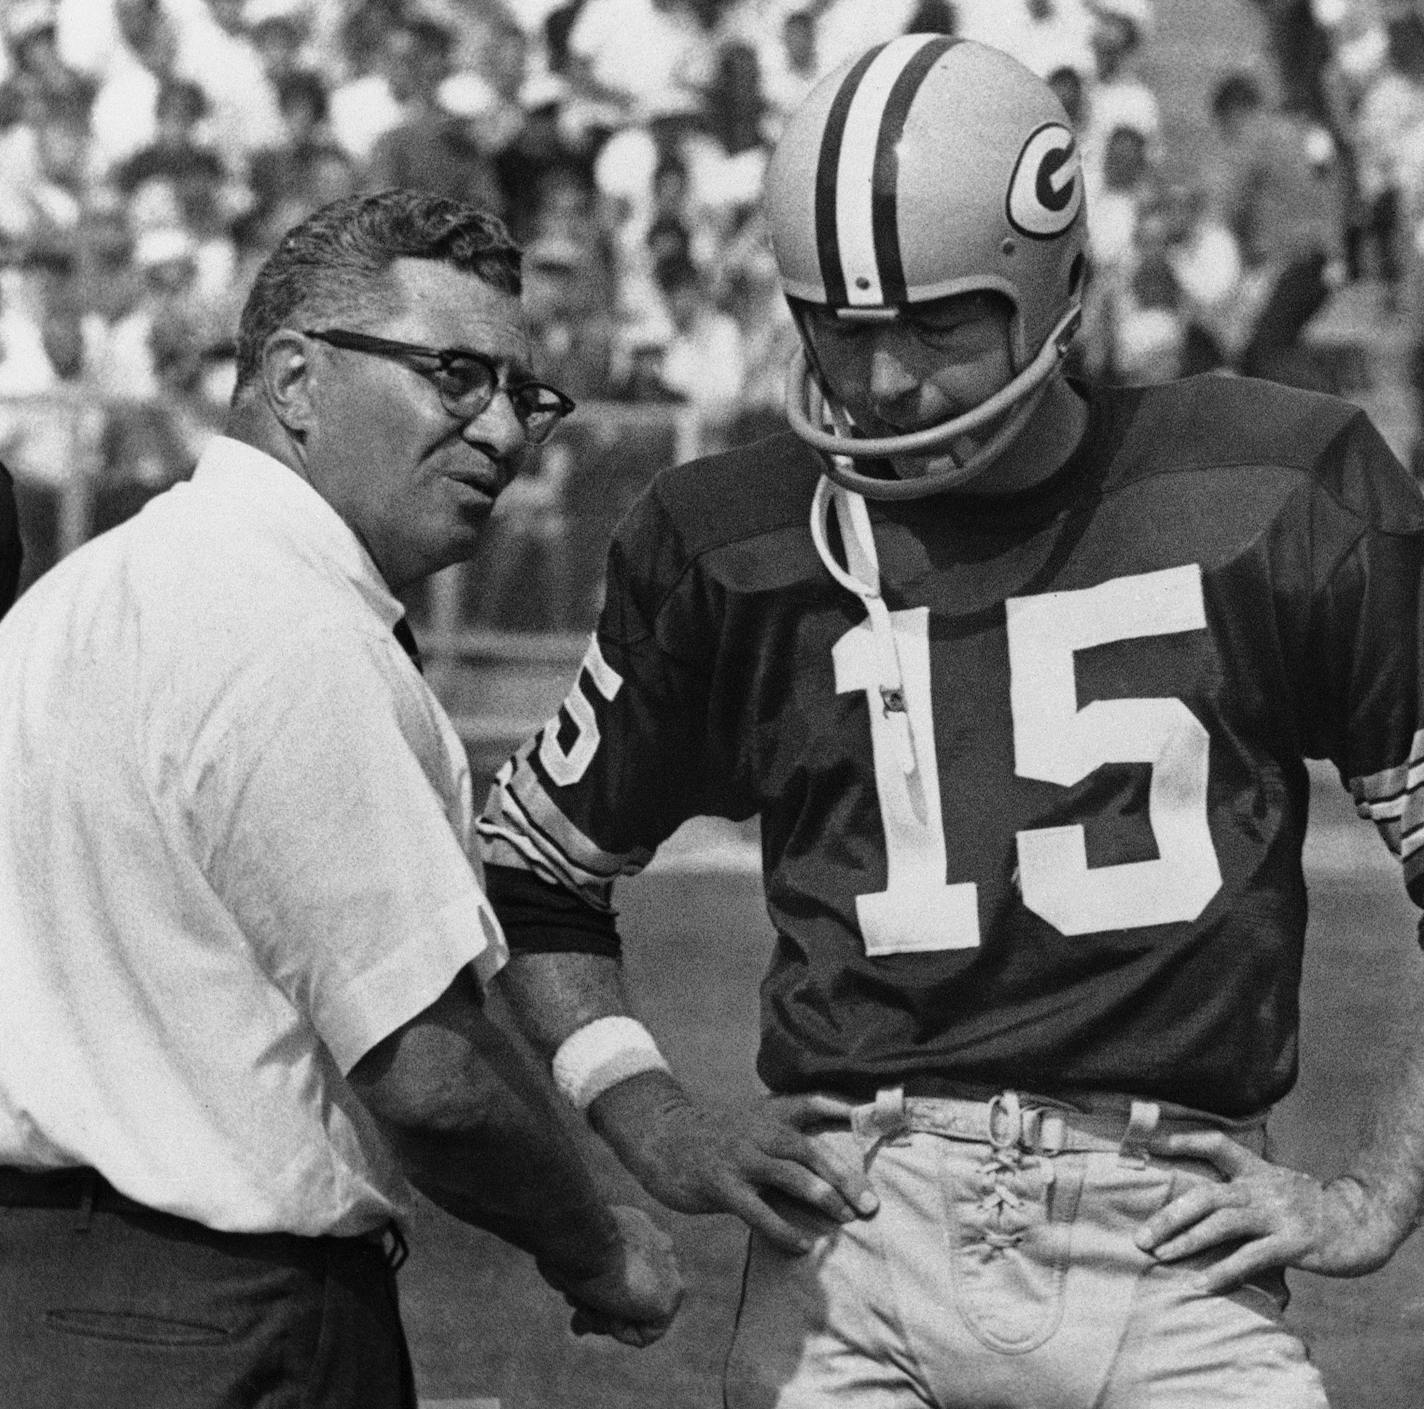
[(828, 164), (860, 146), (885, 184)]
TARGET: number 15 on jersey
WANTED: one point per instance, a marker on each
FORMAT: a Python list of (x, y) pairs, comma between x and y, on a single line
[(921, 909)]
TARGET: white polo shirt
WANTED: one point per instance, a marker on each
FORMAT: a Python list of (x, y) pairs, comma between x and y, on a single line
[(234, 855)]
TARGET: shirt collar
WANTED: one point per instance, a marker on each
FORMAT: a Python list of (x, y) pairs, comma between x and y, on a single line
[(265, 490)]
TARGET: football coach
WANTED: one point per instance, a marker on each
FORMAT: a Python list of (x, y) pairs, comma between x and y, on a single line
[(242, 938)]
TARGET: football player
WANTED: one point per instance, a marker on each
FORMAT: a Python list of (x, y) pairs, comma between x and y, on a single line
[(1020, 677)]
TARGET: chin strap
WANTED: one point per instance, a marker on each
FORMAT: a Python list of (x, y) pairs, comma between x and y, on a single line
[(861, 575), (826, 428)]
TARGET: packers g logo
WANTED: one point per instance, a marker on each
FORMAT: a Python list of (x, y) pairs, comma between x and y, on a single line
[(1046, 189)]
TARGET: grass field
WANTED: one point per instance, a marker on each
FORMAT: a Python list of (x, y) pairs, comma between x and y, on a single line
[(484, 1327)]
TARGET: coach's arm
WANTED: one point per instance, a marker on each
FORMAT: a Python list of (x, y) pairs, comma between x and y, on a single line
[(688, 1156), (475, 1132)]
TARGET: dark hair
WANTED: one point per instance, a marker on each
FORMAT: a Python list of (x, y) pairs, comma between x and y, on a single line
[(184, 96), (1237, 92), (332, 266), (431, 36), (302, 86)]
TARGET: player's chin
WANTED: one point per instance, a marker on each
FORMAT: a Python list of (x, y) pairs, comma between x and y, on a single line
[(949, 460)]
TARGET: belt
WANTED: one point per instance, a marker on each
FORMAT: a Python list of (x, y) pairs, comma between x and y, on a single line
[(1036, 1126), (75, 1186), (85, 1189)]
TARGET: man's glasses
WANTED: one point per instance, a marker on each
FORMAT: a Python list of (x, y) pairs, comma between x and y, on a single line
[(465, 381)]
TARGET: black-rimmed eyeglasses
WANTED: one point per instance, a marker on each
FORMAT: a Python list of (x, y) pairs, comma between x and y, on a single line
[(466, 381)]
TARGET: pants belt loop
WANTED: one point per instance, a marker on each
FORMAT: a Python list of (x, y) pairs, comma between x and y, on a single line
[(1141, 1126), (1006, 1120), (883, 1119)]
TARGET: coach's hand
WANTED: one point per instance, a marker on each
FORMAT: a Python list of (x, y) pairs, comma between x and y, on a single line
[(698, 1160), (635, 1298), (1280, 1217)]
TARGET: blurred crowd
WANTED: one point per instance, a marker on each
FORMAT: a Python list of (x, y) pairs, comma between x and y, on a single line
[(151, 151)]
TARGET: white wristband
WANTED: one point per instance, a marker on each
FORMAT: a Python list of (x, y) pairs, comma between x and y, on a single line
[(601, 1054)]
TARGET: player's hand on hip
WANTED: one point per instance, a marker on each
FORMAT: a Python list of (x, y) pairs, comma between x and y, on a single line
[(1277, 1216), (744, 1161), (636, 1298)]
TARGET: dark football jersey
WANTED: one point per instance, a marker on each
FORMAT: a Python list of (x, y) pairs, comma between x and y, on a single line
[(1113, 680)]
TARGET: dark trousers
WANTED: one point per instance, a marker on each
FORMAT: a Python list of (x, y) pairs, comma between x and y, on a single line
[(1273, 348), (111, 1306)]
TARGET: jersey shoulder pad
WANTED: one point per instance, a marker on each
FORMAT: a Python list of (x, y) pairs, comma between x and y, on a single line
[(751, 489)]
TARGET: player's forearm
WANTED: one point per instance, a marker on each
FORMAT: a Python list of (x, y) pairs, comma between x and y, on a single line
[(1389, 1167), (551, 996)]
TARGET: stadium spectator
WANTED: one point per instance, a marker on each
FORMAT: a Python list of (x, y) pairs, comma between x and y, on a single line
[(177, 154), (1287, 212), (46, 171), (790, 63), (1389, 118), (432, 148), (286, 179), (387, 55), (125, 106), (1116, 200), (545, 163), (567, 299), (848, 26), (668, 61), (35, 69), (1117, 95), (734, 103), (748, 289), (129, 46), (12, 550), (1411, 186), (296, 912), (1205, 262), (118, 316), (279, 38), (638, 374), (25, 368), (1042, 34), (703, 363)]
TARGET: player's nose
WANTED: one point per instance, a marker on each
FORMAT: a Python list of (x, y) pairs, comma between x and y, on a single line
[(889, 380)]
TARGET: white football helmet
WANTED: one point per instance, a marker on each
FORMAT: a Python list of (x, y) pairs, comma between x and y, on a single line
[(926, 167)]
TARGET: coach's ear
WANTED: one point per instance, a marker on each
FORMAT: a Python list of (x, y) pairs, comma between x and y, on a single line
[(287, 371)]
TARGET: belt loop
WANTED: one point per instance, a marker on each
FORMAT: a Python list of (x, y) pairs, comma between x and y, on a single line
[(88, 1193), (1044, 1131), (1141, 1126), (1006, 1123), (883, 1119)]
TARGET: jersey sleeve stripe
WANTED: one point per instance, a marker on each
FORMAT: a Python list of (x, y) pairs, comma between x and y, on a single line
[(1374, 788), (1393, 799), (524, 827)]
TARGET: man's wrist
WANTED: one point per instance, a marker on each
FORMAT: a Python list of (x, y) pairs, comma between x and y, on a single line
[(579, 1244), (1382, 1222), (603, 1054)]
